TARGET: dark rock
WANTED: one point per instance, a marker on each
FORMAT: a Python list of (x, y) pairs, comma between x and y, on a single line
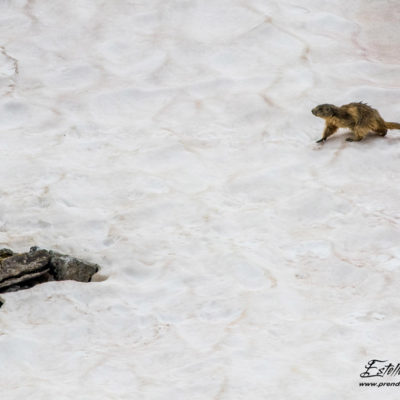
[(24, 267), (64, 267), (4, 253), (21, 271)]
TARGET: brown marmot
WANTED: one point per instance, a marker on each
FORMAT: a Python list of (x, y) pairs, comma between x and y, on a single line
[(359, 117)]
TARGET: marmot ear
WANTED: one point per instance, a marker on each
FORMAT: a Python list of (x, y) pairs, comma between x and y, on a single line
[(333, 112)]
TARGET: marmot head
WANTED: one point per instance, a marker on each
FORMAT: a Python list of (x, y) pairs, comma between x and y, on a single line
[(324, 110)]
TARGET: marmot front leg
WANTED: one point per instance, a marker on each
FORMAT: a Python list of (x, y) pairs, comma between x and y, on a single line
[(329, 130)]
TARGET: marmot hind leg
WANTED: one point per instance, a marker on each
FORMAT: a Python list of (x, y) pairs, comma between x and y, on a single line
[(381, 131), (359, 134), (355, 138)]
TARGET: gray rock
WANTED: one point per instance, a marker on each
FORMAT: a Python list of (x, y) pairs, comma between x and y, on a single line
[(23, 268), (21, 271), (64, 267)]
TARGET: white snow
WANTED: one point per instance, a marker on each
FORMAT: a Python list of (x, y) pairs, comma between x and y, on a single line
[(172, 143)]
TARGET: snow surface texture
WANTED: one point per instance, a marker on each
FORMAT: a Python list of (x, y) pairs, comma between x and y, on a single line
[(172, 143)]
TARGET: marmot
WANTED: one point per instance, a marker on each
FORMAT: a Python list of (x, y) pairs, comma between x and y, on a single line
[(359, 117)]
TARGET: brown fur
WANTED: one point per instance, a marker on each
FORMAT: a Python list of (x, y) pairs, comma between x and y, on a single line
[(359, 117)]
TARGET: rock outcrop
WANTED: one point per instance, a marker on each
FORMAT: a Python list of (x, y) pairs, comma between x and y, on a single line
[(24, 270)]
